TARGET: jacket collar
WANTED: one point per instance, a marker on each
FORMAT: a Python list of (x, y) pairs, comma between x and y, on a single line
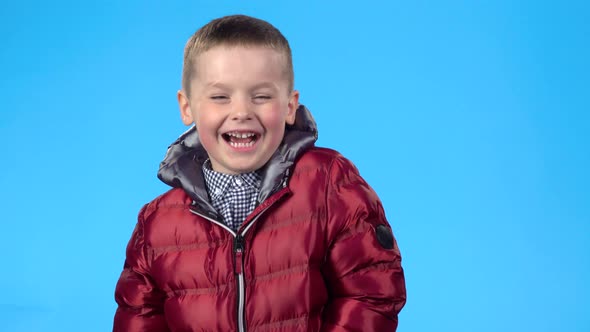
[(181, 168)]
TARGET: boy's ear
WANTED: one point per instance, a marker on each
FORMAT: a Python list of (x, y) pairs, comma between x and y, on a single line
[(293, 105), (185, 108)]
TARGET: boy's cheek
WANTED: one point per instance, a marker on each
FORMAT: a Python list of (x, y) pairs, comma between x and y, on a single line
[(208, 140)]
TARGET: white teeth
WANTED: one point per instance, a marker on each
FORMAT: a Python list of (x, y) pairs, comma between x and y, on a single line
[(241, 135), (241, 145)]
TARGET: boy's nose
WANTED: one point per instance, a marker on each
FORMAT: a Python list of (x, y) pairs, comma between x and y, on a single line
[(241, 111)]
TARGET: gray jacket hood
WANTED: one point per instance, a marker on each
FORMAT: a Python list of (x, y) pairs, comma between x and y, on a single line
[(181, 168)]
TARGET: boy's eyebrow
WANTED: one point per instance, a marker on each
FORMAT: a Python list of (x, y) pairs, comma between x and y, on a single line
[(217, 85), (223, 86), (271, 85)]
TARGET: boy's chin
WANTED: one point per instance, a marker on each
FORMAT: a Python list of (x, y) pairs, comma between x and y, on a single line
[(238, 168)]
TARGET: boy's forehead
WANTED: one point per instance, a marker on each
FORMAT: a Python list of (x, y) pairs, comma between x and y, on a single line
[(234, 49), (221, 59)]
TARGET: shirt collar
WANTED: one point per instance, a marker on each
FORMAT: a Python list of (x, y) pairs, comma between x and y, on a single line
[(217, 183)]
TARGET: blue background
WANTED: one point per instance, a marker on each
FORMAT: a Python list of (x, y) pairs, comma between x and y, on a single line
[(469, 118)]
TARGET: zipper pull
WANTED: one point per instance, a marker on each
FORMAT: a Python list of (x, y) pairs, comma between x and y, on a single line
[(238, 253)]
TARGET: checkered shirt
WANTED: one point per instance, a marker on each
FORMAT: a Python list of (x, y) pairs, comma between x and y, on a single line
[(233, 196)]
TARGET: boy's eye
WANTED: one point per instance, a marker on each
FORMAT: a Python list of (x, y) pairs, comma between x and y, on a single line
[(261, 98), (218, 97)]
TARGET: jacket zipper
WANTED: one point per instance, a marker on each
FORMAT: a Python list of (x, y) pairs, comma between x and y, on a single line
[(238, 270), (238, 262)]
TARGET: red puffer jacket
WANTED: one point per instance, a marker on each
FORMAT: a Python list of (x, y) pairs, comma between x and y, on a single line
[(317, 253)]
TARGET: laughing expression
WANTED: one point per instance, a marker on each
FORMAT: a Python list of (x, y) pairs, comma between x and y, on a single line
[(240, 102)]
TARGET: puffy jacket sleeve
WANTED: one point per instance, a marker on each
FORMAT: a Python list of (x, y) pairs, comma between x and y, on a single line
[(140, 301), (363, 270)]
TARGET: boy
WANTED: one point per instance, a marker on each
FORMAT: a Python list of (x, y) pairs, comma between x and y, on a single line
[(262, 231)]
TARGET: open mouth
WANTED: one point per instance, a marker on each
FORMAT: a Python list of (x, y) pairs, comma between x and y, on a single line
[(241, 139)]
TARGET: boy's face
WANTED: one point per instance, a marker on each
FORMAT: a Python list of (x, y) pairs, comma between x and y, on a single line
[(240, 103)]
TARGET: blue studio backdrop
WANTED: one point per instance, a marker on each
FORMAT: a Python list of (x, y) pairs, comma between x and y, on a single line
[(469, 118)]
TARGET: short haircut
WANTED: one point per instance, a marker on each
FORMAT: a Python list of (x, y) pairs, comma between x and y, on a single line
[(235, 30)]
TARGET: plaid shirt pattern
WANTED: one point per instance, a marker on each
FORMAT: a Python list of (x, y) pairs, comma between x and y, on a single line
[(233, 196)]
